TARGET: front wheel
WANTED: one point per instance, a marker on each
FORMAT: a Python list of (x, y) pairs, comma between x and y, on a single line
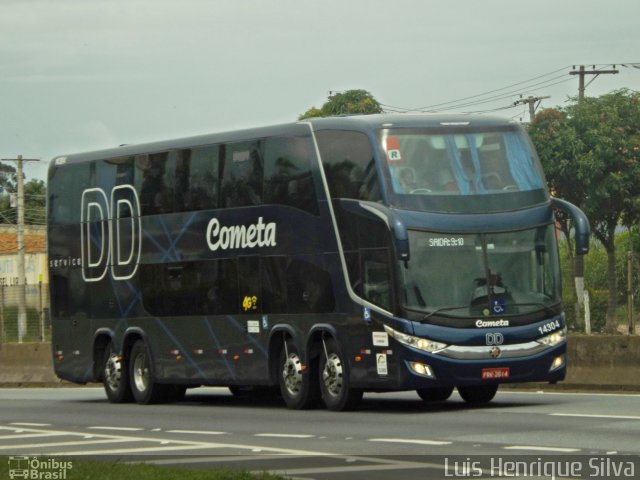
[(439, 394), (337, 393), (141, 374), (477, 395), (115, 376)]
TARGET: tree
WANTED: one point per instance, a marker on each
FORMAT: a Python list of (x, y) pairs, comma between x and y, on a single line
[(34, 203), (344, 103), (591, 153)]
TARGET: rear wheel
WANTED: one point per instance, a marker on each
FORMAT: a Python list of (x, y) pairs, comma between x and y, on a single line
[(115, 376), (477, 395), (439, 394), (337, 393), (141, 372), (298, 385)]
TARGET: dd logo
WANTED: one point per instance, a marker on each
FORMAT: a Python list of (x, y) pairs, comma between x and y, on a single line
[(494, 338), (110, 233)]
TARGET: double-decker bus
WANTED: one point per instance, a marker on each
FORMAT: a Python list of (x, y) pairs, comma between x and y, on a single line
[(322, 258)]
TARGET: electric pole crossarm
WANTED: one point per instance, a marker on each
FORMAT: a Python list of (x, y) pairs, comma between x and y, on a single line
[(582, 72)]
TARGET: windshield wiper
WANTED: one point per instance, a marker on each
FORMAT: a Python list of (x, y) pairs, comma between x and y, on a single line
[(549, 310), (442, 309)]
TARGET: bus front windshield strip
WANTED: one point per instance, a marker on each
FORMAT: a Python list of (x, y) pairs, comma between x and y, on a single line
[(465, 163), (506, 273)]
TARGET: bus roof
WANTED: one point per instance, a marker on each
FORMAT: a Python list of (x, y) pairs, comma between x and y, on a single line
[(347, 122)]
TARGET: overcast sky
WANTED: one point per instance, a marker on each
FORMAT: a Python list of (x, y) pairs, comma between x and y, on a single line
[(79, 75)]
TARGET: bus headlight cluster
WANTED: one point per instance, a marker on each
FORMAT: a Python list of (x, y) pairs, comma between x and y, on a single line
[(555, 338), (420, 343)]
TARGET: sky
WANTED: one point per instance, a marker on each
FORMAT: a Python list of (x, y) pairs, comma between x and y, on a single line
[(79, 75)]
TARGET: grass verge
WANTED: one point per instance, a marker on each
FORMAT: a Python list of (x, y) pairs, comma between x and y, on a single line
[(63, 468)]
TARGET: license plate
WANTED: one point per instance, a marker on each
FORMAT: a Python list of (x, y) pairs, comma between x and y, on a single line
[(495, 373)]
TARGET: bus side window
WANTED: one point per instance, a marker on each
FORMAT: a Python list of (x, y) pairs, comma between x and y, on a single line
[(242, 175), (155, 183), (249, 284), (349, 165), (287, 173), (376, 277), (196, 179)]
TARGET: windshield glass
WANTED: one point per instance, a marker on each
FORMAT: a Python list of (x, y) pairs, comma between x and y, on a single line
[(481, 274), (438, 169)]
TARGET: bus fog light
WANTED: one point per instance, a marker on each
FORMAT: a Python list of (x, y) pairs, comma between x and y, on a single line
[(422, 369), (558, 362)]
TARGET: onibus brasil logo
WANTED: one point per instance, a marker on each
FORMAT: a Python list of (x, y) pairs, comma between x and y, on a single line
[(39, 468)]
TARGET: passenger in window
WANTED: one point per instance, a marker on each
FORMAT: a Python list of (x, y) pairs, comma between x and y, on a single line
[(407, 179), (279, 186)]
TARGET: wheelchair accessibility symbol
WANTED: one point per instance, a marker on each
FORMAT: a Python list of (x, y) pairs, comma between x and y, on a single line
[(498, 306)]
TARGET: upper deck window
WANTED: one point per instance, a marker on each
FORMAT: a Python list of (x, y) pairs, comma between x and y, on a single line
[(436, 169), (349, 164)]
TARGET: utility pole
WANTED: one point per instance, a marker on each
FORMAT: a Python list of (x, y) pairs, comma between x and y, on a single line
[(22, 297), (579, 259), (532, 104), (582, 72)]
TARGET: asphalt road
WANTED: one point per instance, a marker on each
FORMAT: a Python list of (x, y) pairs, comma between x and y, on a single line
[(390, 436)]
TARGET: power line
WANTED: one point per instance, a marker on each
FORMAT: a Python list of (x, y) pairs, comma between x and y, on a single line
[(484, 93)]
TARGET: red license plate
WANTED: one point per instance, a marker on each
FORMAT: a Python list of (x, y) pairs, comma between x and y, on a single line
[(495, 373)]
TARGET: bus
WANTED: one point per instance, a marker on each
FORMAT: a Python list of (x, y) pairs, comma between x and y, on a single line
[(316, 260)]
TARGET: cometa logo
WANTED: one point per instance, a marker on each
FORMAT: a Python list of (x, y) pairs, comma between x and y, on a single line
[(260, 234), (492, 323)]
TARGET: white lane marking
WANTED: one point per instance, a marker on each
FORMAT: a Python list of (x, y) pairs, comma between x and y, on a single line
[(25, 424), (19, 436), (542, 449), (283, 435), (117, 429), (353, 468), (197, 432), (415, 441), (129, 450), (588, 415), (218, 458), (577, 394), (62, 444)]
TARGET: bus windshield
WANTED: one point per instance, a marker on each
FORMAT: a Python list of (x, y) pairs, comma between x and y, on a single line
[(436, 169), (483, 274)]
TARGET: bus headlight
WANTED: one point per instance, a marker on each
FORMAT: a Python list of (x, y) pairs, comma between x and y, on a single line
[(420, 343), (554, 339)]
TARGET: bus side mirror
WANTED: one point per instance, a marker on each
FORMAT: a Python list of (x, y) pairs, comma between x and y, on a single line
[(400, 236), (580, 224)]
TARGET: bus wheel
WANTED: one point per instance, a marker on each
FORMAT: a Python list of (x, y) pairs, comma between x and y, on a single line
[(141, 374), (115, 376), (439, 394), (299, 388), (336, 392), (476, 395)]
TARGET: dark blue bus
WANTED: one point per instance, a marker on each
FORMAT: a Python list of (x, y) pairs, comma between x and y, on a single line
[(321, 259)]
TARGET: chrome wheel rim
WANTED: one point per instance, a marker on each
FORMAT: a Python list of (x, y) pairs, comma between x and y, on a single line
[(333, 374), (141, 372), (292, 374), (113, 372)]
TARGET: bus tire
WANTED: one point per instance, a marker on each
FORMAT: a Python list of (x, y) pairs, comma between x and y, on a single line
[(298, 385), (335, 388), (438, 394), (141, 376), (478, 394), (115, 376)]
